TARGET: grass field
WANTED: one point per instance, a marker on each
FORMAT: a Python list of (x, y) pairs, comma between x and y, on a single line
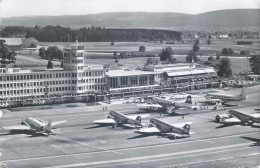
[(216, 46), (102, 53)]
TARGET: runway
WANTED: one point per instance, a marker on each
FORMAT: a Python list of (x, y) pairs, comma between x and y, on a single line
[(80, 143)]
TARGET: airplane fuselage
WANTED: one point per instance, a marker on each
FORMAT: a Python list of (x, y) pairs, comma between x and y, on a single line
[(121, 119), (34, 124), (167, 128), (225, 97), (162, 102)]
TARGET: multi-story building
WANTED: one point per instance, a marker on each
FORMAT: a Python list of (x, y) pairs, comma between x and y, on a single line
[(19, 86)]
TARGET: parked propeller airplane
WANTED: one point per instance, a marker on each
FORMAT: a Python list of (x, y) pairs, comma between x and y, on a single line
[(223, 98), (172, 131), (170, 106), (35, 125), (235, 117), (116, 118)]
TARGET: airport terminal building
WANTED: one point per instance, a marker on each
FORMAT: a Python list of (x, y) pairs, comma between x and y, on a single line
[(77, 81)]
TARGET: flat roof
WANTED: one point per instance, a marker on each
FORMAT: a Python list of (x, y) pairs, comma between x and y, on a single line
[(172, 65), (191, 72), (129, 73), (13, 41)]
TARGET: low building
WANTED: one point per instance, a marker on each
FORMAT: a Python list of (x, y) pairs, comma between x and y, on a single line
[(157, 78), (13, 43)]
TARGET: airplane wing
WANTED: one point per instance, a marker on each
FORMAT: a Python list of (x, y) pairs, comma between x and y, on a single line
[(181, 124), (148, 130), (134, 126), (232, 120), (17, 127), (133, 117), (239, 115), (58, 122), (105, 121), (178, 135), (150, 105), (255, 115)]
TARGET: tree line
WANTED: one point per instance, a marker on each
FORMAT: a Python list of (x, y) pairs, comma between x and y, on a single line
[(89, 34), (7, 56)]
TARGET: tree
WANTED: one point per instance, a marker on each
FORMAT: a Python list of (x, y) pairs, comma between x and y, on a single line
[(50, 65), (244, 52), (6, 53), (172, 60), (255, 64), (142, 48), (211, 59), (192, 55), (218, 57), (230, 51), (227, 51), (53, 52), (112, 43), (166, 53), (115, 55), (224, 68), (11, 56), (42, 53), (209, 40), (122, 55), (33, 45), (197, 41), (152, 61), (224, 51), (196, 46)]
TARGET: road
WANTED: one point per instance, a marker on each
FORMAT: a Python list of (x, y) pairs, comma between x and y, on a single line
[(80, 143)]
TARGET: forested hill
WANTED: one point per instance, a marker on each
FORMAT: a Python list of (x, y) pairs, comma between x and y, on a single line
[(232, 19), (92, 34)]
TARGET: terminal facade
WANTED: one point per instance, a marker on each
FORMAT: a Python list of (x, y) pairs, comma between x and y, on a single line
[(77, 81)]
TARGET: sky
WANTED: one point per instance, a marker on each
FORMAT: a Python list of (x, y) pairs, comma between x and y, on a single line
[(11, 8)]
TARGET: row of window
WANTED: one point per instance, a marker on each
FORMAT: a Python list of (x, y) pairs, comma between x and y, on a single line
[(50, 76), (96, 87), (48, 90), (36, 91), (47, 83)]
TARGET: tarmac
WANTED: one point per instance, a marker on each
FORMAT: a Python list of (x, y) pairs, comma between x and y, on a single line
[(81, 143)]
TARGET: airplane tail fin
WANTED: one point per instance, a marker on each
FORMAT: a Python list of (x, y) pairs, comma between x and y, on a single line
[(138, 120), (188, 100), (242, 94), (187, 127), (48, 127)]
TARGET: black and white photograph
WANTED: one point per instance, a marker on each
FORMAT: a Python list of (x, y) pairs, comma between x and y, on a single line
[(129, 83)]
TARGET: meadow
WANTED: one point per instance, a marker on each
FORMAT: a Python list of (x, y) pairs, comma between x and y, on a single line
[(102, 53)]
